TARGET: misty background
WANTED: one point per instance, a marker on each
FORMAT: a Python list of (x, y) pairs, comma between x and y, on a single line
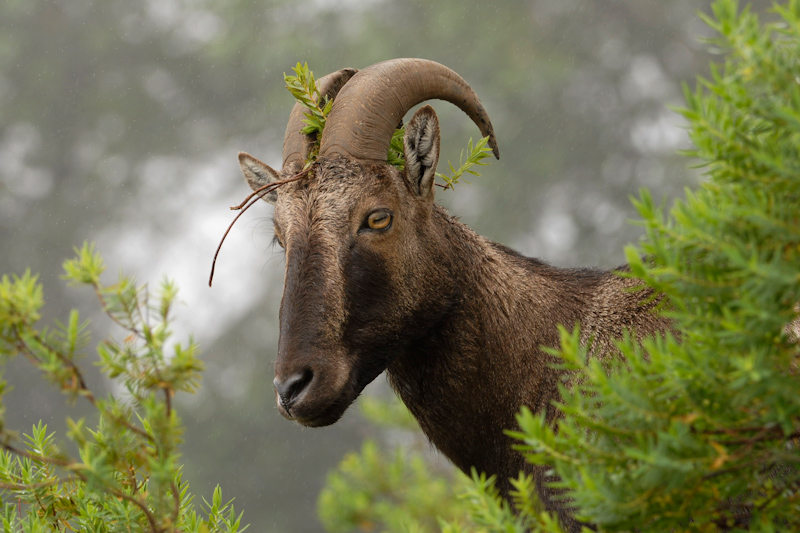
[(120, 121)]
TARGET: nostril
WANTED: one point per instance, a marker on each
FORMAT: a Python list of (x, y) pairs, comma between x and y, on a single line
[(290, 389)]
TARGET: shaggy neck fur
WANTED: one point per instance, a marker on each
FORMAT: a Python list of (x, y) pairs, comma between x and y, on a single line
[(466, 378)]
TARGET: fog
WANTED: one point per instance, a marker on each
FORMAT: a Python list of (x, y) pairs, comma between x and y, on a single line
[(120, 121)]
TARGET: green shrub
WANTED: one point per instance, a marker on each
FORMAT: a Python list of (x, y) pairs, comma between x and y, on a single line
[(127, 476), (706, 427), (397, 490)]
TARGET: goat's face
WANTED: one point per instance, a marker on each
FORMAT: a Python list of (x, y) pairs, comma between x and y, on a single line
[(357, 240), (362, 253)]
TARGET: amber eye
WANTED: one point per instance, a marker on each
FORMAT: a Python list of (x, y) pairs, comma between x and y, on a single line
[(277, 238), (379, 220)]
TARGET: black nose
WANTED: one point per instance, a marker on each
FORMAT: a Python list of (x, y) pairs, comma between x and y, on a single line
[(290, 389)]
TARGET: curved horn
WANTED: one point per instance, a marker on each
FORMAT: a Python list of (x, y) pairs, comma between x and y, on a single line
[(371, 105), (296, 144)]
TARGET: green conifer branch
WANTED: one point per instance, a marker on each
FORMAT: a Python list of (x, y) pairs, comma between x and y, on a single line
[(127, 472), (475, 155)]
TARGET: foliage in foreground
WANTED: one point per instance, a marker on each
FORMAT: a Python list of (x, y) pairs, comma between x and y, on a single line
[(127, 475), (398, 490), (705, 428), (399, 487), (698, 433)]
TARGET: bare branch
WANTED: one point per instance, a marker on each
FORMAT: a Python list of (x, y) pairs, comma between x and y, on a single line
[(260, 193)]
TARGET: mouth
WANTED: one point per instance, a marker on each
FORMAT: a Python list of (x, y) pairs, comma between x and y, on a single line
[(316, 415), (325, 399)]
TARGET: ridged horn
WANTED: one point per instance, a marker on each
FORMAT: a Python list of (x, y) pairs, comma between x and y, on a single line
[(296, 144), (368, 109)]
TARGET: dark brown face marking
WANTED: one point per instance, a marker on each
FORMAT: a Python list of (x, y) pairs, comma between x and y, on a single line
[(369, 300)]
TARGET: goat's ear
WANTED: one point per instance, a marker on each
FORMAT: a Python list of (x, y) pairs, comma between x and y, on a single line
[(258, 174), (421, 144)]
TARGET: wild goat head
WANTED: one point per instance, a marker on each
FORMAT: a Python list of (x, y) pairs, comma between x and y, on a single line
[(363, 259)]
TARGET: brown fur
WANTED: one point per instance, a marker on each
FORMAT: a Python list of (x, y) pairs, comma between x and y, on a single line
[(458, 322)]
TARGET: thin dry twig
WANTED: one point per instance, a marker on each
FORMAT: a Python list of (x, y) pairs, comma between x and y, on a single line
[(176, 511), (33, 486), (271, 186), (254, 197), (127, 327), (168, 399), (141, 505)]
